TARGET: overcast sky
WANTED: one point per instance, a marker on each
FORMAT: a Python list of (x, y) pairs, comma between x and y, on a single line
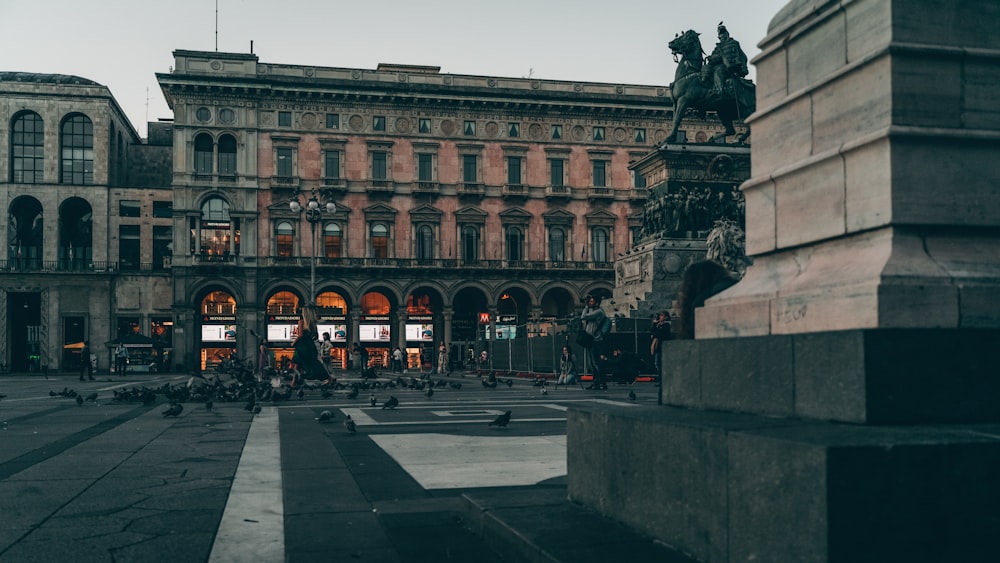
[(123, 43)]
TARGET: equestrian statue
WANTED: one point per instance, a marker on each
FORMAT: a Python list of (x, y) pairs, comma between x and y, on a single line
[(713, 83)]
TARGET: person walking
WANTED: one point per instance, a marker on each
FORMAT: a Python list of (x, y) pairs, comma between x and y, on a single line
[(659, 332), (306, 355), (86, 367)]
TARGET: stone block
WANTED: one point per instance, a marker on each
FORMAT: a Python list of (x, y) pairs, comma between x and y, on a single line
[(868, 186), (927, 90), (781, 138), (810, 203), (772, 79), (980, 79), (749, 316), (825, 387), (753, 374), (854, 105), (730, 487), (869, 28), (817, 53), (760, 209), (681, 382), (971, 22)]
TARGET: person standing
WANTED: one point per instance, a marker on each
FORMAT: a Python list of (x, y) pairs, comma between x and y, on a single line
[(325, 349), (593, 318), (86, 367), (263, 360), (659, 333), (397, 360), (443, 358), (121, 359)]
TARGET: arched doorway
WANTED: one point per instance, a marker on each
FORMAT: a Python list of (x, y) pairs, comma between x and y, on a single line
[(375, 329), (424, 328), (218, 329)]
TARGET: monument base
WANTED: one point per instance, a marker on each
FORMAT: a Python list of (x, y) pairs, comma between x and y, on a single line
[(727, 487)]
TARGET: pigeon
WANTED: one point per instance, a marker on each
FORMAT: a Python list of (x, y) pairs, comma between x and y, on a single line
[(509, 382), (545, 391), (326, 393), (53, 394), (349, 425), (392, 403), (325, 416), (256, 409), (501, 420), (456, 385), (353, 393), (208, 405), (372, 400), (79, 400), (631, 395), (430, 392), (92, 397), (173, 410)]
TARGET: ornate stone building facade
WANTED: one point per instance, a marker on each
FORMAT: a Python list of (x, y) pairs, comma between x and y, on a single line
[(464, 207)]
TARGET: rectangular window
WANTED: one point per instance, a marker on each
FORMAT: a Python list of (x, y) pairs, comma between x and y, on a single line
[(284, 119), (333, 121), (638, 180), (598, 133), (378, 123), (513, 129), (600, 173), (163, 209), (379, 160), (425, 167), (129, 208), (557, 131), (514, 170), (227, 163), (640, 136), (128, 247), (284, 164), (424, 125), (556, 172), (469, 128), (331, 165), (469, 164), (162, 246)]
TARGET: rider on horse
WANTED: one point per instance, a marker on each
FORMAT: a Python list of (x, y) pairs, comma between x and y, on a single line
[(726, 62)]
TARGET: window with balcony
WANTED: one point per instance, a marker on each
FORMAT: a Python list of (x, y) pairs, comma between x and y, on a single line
[(203, 147), (557, 176), (380, 168), (284, 163), (557, 244), (333, 240), (216, 235), (27, 148), (599, 241), (425, 167), (128, 247), (379, 240), (163, 236), (600, 178), (284, 239), (227, 156), (331, 165), (470, 244), (425, 243), (515, 244), (77, 147)]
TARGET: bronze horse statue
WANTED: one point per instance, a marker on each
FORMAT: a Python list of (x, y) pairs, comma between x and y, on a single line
[(691, 91)]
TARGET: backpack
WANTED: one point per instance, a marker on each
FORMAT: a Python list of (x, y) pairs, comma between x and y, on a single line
[(605, 327)]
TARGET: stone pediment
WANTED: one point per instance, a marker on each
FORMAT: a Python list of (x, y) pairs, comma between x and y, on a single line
[(516, 214), (558, 217), (426, 213)]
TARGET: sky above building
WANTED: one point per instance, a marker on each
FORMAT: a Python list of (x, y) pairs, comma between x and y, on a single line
[(124, 43)]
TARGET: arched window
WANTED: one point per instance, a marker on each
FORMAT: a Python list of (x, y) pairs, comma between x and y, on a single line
[(203, 147), (380, 241), (24, 233), (75, 234), (515, 244), (332, 241), (77, 151), (227, 155), (599, 244), (27, 149), (425, 243), (218, 234), (557, 244), (284, 239), (470, 244)]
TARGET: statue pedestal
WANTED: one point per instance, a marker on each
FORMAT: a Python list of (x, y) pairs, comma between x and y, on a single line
[(648, 276), (841, 402)]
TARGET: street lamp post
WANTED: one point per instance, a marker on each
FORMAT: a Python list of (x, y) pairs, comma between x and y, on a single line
[(314, 214)]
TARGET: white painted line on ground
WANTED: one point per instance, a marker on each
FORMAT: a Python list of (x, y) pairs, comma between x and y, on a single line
[(444, 461), (253, 524), (362, 419)]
